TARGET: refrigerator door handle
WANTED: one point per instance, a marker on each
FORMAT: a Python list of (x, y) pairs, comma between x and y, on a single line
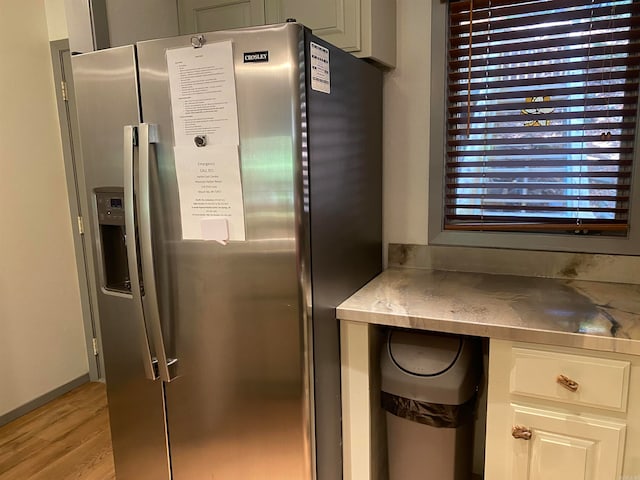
[(130, 140), (148, 134)]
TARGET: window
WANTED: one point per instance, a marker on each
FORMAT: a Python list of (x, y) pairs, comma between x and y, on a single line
[(540, 124)]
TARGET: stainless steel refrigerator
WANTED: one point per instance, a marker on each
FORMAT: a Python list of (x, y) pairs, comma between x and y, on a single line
[(222, 361)]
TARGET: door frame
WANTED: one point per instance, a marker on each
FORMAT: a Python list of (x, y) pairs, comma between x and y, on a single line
[(74, 173)]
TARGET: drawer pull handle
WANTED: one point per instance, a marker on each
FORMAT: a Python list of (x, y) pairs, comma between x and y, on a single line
[(521, 432), (567, 383)]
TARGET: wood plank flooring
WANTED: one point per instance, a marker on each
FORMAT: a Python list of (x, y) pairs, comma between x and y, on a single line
[(68, 438)]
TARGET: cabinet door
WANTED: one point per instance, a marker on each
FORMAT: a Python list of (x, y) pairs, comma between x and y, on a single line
[(565, 447), (336, 21), (210, 15)]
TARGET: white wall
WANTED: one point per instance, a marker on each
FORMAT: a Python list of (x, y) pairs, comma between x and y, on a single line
[(41, 334), (406, 163), (56, 19), (406, 127)]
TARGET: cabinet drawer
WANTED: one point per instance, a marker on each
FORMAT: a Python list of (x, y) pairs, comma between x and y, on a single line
[(602, 383)]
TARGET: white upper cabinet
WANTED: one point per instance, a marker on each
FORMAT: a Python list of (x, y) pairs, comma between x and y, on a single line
[(337, 21), (94, 25), (210, 15), (367, 28)]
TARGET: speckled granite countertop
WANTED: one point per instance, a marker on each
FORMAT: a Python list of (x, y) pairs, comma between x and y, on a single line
[(573, 313)]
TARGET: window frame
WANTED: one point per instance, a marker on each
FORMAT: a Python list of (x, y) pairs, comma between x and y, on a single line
[(437, 235)]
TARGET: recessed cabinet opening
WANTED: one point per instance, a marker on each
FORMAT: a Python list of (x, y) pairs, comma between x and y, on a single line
[(424, 415)]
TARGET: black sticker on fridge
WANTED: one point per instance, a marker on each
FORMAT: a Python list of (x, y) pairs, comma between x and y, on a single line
[(253, 57)]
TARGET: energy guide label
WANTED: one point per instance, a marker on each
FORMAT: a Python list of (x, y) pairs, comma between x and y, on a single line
[(320, 69)]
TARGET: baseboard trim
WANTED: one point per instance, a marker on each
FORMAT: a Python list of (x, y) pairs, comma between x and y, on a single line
[(42, 399)]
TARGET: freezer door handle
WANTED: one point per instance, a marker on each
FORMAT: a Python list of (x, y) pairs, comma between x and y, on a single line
[(147, 136), (130, 139)]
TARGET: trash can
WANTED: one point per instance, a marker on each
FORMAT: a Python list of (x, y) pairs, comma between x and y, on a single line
[(429, 386)]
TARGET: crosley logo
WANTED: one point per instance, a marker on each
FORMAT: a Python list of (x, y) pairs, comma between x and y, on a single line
[(256, 57)]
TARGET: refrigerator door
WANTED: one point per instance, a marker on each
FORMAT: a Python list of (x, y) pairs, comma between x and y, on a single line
[(107, 97), (232, 316)]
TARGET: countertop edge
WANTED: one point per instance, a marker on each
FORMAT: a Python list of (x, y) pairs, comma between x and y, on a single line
[(492, 331)]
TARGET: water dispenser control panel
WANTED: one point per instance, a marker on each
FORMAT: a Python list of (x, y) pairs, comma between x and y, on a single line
[(110, 208)]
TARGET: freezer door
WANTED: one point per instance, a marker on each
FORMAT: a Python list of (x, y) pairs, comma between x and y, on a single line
[(232, 316), (107, 98)]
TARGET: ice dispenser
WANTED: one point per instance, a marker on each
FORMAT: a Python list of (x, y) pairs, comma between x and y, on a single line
[(110, 207)]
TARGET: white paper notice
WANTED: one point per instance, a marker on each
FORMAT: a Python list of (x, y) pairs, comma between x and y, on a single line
[(320, 68), (211, 204), (203, 94)]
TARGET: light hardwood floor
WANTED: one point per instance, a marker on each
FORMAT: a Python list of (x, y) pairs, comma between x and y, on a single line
[(66, 439)]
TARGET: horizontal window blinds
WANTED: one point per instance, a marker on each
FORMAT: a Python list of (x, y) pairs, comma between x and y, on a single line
[(542, 102)]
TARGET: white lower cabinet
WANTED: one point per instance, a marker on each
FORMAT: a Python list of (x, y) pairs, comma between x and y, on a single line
[(565, 446), (544, 425), (591, 432)]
